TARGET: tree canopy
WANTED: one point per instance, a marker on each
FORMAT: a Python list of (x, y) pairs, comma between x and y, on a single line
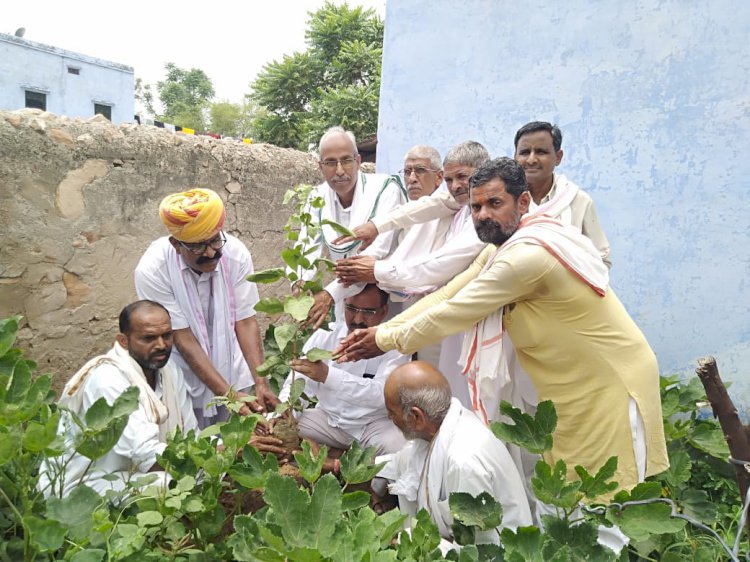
[(335, 81)]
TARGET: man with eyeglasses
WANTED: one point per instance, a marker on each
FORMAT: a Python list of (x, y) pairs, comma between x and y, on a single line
[(431, 254), (198, 274), (350, 396), (351, 197)]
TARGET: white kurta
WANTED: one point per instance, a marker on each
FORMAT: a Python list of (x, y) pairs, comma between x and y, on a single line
[(134, 453), (464, 456), (352, 395), (374, 195), (209, 304)]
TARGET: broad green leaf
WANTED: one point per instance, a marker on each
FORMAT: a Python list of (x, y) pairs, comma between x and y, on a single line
[(243, 542), (236, 432), (23, 396), (38, 436), (89, 555), (253, 472), (550, 485), (105, 424), (600, 484), (283, 334), (708, 437), (573, 542), (75, 511), (641, 521), (463, 534), (354, 500), (422, 543), (469, 553), (288, 196), (310, 464), (357, 464), (481, 511), (697, 504), (101, 414), (10, 444), (270, 305), (678, 472), (295, 258), (317, 354), (267, 275), (338, 228), (8, 331), (525, 544), (532, 433), (149, 518), (295, 392), (298, 307), (643, 491), (46, 534), (270, 362)]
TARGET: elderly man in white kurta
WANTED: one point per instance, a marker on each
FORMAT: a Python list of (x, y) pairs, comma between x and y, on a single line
[(351, 198), (140, 358), (198, 273), (450, 450), (350, 397), (431, 253)]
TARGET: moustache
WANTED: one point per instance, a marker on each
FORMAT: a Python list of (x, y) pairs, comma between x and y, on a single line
[(205, 259), (358, 326)]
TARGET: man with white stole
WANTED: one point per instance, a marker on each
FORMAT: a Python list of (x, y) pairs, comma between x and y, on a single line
[(351, 197), (431, 253)]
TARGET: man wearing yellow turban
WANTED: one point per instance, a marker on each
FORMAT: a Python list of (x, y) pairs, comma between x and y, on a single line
[(198, 274)]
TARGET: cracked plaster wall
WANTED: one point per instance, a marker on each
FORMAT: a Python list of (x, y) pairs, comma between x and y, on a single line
[(78, 206)]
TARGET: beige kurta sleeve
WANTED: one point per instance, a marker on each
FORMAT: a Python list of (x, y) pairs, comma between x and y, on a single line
[(467, 299)]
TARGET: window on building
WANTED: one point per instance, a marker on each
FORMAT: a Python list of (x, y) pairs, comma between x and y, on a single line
[(102, 109), (36, 100), (74, 70)]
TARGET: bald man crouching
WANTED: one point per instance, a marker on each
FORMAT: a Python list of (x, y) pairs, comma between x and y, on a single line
[(450, 450)]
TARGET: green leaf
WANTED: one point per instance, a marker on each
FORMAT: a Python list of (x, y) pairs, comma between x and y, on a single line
[(309, 464), (253, 472), (284, 334), (75, 511), (270, 362), (641, 521), (8, 331), (105, 424), (38, 436), (356, 464), (270, 305), (317, 354), (551, 486), (480, 511), (354, 500), (298, 307), (598, 485), (101, 414), (267, 275), (525, 544), (423, 542), (46, 534), (708, 437), (295, 392), (532, 433), (236, 432), (680, 465), (89, 555), (10, 444), (573, 542), (697, 504), (243, 542), (149, 518), (338, 228)]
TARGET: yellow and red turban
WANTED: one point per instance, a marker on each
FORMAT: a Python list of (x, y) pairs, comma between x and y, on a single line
[(193, 216)]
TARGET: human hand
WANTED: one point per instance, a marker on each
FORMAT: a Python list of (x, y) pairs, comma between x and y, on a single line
[(366, 233), (266, 400), (268, 444), (319, 310), (360, 344), (315, 370), (357, 269)]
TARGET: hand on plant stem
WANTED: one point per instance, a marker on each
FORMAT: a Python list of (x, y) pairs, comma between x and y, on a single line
[(315, 370), (360, 344), (266, 400), (319, 310), (357, 269), (365, 232)]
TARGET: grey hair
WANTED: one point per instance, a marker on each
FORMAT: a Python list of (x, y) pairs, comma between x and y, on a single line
[(424, 151), (338, 130), (469, 153), (434, 401)]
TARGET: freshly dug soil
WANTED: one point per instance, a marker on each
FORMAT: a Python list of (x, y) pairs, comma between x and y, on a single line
[(286, 429)]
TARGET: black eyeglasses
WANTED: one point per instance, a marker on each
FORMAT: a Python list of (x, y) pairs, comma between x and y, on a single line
[(419, 170), (199, 248), (365, 311), (346, 163)]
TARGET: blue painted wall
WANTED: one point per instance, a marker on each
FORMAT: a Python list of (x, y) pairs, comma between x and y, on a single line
[(654, 102)]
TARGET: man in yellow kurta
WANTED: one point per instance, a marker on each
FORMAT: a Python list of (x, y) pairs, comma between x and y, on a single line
[(545, 285)]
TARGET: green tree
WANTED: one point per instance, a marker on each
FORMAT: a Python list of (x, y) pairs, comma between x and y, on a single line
[(232, 119), (336, 81), (185, 95)]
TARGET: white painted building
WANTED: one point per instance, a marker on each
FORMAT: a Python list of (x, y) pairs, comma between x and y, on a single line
[(63, 82)]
